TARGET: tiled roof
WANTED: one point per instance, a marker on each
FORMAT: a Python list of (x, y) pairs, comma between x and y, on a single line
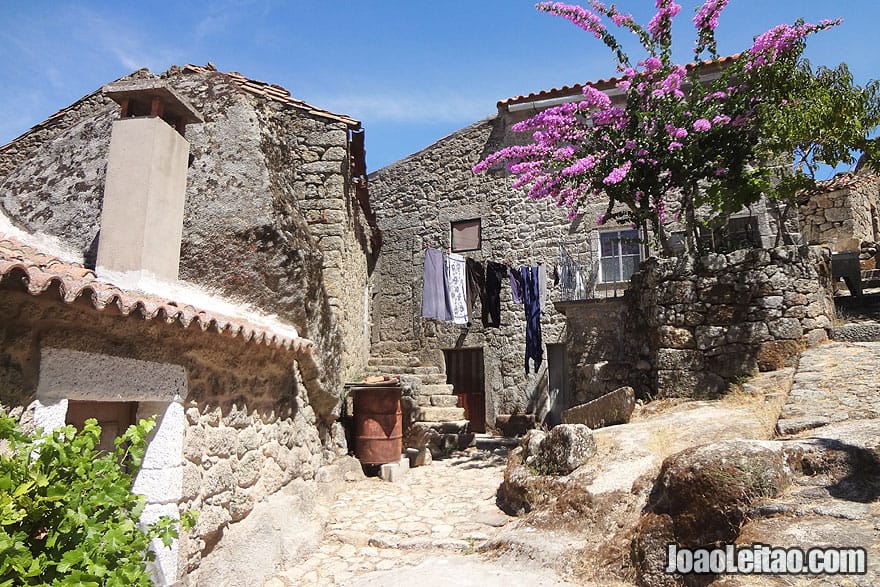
[(39, 272), (274, 92), (841, 181), (601, 84), (55, 118)]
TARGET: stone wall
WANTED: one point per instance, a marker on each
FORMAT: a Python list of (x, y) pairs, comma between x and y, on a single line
[(712, 322), (270, 218), (249, 426), (601, 343), (842, 218), (415, 200), (690, 328)]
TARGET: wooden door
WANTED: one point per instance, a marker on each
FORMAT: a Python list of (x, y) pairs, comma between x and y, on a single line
[(557, 388), (464, 371)]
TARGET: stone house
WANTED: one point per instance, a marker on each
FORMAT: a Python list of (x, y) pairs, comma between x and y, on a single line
[(433, 199), (194, 245), (842, 211)]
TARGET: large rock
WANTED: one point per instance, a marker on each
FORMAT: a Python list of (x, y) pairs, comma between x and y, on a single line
[(524, 489), (536, 471), (708, 490), (702, 496), (560, 451), (612, 408)]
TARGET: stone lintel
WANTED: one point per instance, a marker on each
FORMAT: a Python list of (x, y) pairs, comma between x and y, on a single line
[(79, 375)]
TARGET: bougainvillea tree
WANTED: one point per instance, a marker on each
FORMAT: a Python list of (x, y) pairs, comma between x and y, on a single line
[(678, 144)]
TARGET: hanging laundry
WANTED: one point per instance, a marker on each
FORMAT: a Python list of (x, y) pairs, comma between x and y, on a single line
[(457, 288), (516, 285), (542, 286), (435, 296), (476, 285), (532, 303), (495, 273)]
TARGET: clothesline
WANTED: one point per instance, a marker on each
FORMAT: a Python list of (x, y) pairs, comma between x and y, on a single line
[(508, 260), (451, 284)]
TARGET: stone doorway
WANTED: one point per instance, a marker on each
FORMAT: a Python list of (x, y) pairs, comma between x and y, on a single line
[(464, 371)]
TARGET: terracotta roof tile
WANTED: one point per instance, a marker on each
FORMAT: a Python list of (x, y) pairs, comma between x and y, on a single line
[(841, 181), (601, 84), (276, 93), (39, 272)]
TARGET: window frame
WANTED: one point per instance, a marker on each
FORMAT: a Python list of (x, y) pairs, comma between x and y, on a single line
[(619, 256), (453, 223)]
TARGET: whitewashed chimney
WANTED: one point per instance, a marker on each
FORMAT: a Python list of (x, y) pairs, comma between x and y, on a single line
[(145, 187)]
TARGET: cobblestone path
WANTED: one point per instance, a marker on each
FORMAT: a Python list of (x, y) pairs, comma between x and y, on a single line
[(446, 508), (834, 382)]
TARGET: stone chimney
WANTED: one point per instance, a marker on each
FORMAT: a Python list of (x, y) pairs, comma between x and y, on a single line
[(145, 188)]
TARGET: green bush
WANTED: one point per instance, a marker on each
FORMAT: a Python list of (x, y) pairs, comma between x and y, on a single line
[(67, 512)]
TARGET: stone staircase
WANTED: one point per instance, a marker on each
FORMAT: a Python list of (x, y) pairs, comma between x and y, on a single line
[(430, 410)]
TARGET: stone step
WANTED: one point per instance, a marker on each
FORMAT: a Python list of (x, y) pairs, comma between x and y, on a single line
[(436, 389), (392, 348), (856, 332), (435, 414), (405, 370), (444, 401), (433, 379), (451, 427), (437, 401), (871, 278), (403, 360)]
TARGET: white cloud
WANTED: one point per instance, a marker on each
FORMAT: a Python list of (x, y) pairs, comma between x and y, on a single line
[(409, 107)]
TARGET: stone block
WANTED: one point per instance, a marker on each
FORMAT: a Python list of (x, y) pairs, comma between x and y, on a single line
[(676, 338), (219, 478), (160, 485), (786, 328), (748, 332), (610, 409), (394, 472), (192, 482), (732, 362), (249, 467), (689, 384), (78, 375), (776, 354), (682, 359), (212, 519), (419, 457), (708, 337), (194, 444), (221, 442)]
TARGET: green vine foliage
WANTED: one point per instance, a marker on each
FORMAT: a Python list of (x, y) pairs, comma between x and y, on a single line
[(67, 512)]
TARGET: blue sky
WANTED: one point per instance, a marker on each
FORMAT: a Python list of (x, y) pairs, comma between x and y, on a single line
[(410, 71)]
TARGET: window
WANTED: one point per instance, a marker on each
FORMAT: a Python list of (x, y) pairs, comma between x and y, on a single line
[(467, 235), (620, 253)]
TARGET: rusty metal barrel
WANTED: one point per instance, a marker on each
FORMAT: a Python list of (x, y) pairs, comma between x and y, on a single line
[(378, 424)]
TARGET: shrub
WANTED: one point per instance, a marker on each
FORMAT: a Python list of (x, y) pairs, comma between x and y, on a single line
[(67, 512)]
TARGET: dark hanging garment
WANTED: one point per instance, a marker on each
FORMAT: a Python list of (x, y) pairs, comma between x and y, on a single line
[(435, 299), (476, 285), (516, 286), (495, 273), (532, 304)]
